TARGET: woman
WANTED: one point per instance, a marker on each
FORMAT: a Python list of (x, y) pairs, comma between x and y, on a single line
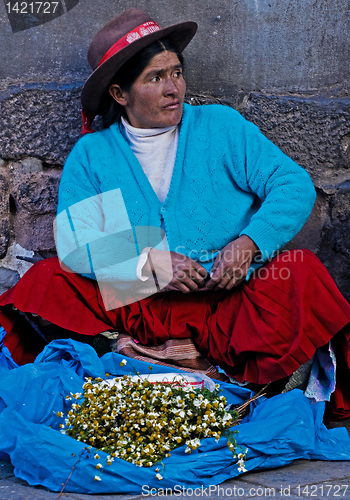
[(185, 201)]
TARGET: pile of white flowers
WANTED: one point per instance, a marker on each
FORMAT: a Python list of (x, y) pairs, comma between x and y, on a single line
[(142, 422)]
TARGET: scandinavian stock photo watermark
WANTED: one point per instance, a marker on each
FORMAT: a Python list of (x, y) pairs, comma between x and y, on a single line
[(96, 238), (215, 491), (26, 15)]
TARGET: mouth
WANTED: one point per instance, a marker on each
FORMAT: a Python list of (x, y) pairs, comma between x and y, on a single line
[(172, 105)]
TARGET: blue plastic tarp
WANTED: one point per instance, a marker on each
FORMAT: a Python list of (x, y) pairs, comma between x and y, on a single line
[(278, 431)]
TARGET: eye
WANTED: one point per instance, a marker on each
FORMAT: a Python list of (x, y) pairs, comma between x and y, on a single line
[(155, 79), (178, 73)]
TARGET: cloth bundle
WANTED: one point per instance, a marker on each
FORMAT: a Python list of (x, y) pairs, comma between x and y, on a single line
[(278, 431), (174, 353)]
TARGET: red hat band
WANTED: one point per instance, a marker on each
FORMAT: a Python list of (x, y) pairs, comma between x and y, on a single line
[(140, 31)]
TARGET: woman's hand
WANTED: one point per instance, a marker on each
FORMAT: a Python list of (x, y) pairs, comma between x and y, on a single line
[(232, 264), (175, 273)]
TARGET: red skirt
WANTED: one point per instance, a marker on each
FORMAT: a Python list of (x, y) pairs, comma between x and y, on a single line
[(261, 331)]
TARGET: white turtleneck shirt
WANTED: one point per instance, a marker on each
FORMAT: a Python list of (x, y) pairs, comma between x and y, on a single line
[(155, 149)]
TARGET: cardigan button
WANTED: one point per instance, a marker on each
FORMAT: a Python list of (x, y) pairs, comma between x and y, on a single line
[(163, 210)]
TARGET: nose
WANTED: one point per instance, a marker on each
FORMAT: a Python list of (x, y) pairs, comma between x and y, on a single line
[(171, 87)]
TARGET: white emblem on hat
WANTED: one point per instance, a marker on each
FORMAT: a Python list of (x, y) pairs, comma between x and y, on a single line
[(132, 37), (148, 30)]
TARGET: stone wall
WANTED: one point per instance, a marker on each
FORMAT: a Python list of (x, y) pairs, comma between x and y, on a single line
[(282, 64)]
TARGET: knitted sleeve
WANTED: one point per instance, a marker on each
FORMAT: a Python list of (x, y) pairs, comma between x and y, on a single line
[(284, 188), (85, 242)]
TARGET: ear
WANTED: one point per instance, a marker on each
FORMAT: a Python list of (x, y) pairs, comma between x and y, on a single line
[(118, 94)]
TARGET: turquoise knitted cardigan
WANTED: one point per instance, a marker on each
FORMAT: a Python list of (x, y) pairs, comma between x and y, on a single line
[(228, 180)]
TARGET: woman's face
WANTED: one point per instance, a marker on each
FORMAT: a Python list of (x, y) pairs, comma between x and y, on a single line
[(156, 97)]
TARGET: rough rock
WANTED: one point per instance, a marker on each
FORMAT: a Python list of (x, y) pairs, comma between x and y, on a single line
[(36, 192), (314, 131), (8, 278), (43, 121), (4, 215)]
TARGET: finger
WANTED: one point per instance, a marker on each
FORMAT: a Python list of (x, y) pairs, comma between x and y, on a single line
[(224, 282), (230, 284), (183, 282), (213, 282), (182, 277), (215, 265), (238, 278), (202, 271), (197, 270), (238, 282), (198, 278), (169, 288), (210, 284), (217, 275), (233, 283), (190, 284), (181, 287), (229, 274), (191, 273), (201, 285)]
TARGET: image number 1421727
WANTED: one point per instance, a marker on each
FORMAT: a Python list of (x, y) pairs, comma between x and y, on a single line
[(25, 15)]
